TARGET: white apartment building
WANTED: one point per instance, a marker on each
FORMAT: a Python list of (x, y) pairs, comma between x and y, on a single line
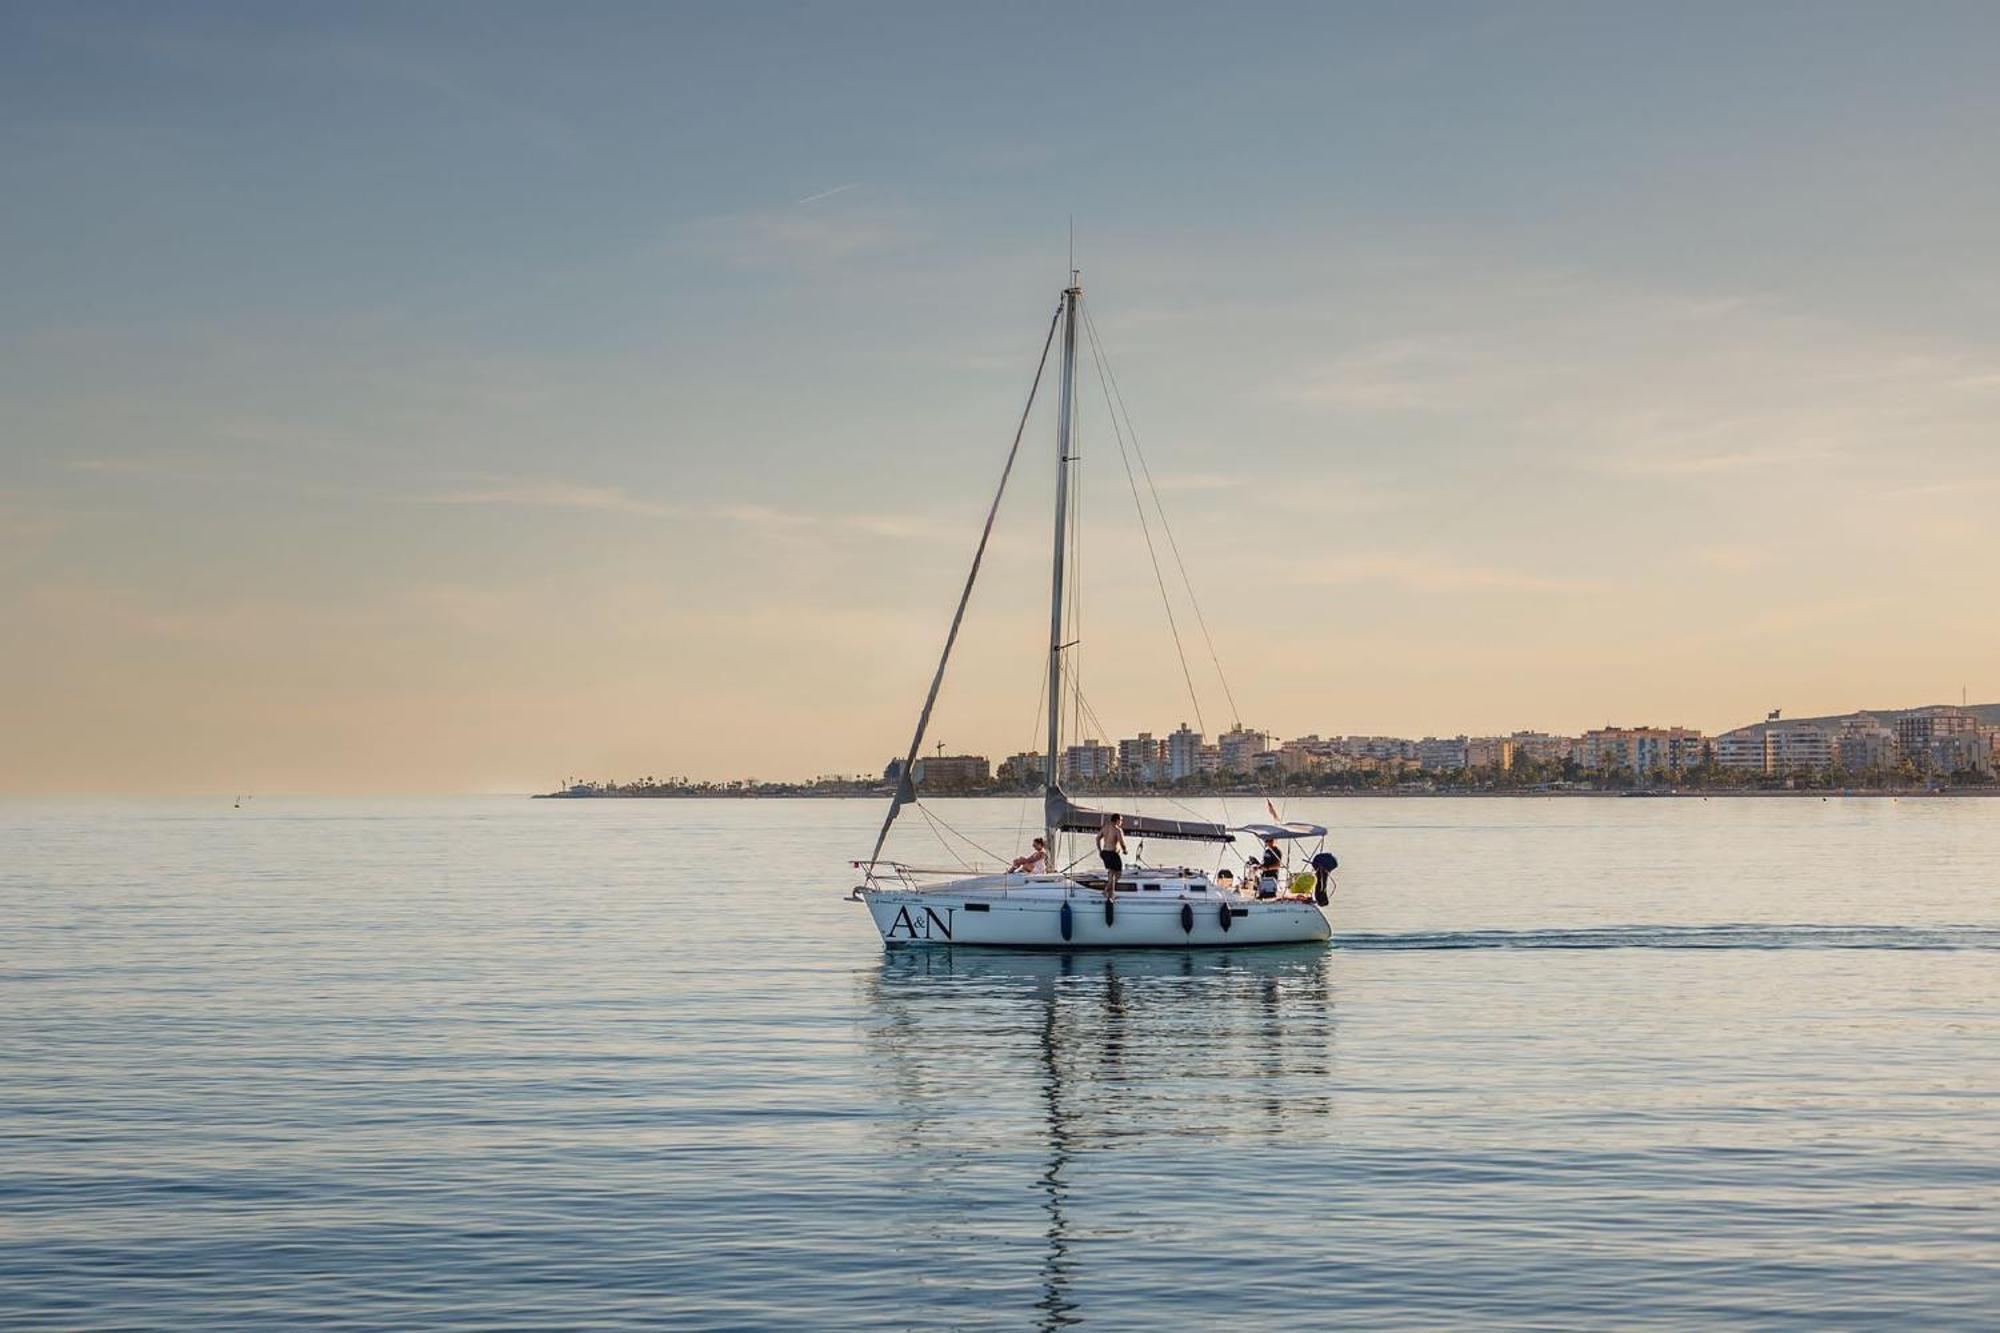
[(1090, 761), (1239, 747), (1797, 747), (1306, 753), (1541, 747), (1026, 766), (1184, 747), (1441, 754), (1641, 750), (1742, 748), (1378, 747), (1142, 758), (1864, 744)]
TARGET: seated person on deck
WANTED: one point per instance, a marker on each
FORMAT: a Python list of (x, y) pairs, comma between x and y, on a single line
[(1034, 862)]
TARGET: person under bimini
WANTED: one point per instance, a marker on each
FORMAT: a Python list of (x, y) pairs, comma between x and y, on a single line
[(1111, 849), (1268, 867), (1037, 860)]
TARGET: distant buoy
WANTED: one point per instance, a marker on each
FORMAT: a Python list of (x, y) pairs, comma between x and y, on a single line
[(1068, 922), (1187, 919), (1225, 916)]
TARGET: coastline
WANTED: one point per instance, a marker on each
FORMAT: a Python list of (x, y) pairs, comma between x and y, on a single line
[(1873, 793)]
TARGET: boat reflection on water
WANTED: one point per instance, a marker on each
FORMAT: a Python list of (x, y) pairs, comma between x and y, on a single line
[(1028, 1064)]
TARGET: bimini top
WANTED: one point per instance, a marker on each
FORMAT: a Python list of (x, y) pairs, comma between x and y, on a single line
[(1281, 832)]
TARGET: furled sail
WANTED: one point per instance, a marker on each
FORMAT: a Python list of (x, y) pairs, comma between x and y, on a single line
[(1066, 816)]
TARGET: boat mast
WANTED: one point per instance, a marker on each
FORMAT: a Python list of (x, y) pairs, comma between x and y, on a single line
[(1052, 791)]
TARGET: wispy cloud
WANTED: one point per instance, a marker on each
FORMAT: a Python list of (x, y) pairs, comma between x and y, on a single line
[(133, 466), (1405, 375), (1732, 556), (1434, 573), (1633, 382), (827, 194), (1656, 461), (899, 527), (1200, 481), (552, 495), (787, 238), (25, 522), (764, 519)]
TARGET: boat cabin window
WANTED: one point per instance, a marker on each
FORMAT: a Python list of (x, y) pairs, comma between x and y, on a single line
[(1150, 888)]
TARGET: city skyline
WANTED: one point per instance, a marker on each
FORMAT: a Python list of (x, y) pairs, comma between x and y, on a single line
[(1936, 739), (436, 400)]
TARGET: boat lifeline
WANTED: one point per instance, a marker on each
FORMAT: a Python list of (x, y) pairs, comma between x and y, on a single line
[(1056, 904)]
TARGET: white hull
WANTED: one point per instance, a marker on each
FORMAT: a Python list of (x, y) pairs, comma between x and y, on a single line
[(1026, 912)]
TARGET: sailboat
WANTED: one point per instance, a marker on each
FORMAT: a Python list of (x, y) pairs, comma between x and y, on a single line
[(1073, 904)]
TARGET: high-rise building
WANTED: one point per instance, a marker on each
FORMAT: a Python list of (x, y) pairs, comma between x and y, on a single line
[(1797, 747), (1024, 769), (1641, 750), (1441, 754), (1090, 761), (1864, 743), (1741, 749), (1183, 753), (1494, 752), (1959, 751), (1541, 747), (1310, 753), (1918, 729), (1142, 758), (1378, 747), (1239, 747)]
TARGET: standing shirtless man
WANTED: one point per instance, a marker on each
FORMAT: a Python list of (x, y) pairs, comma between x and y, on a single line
[(1111, 848)]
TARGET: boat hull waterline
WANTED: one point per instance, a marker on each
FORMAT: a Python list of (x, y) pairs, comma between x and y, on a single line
[(957, 915)]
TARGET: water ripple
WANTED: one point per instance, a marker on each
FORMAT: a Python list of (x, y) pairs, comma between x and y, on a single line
[(1762, 936), (493, 1064)]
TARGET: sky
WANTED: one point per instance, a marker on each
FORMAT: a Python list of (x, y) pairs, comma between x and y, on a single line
[(464, 397)]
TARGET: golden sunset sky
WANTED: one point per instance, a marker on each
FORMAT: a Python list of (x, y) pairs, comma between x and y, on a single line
[(463, 397)]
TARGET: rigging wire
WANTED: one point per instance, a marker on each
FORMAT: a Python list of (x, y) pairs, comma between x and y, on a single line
[(1145, 528), (940, 826), (1118, 396), (932, 821), (1115, 402)]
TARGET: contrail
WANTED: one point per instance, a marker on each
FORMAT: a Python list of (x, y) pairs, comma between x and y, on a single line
[(828, 194)]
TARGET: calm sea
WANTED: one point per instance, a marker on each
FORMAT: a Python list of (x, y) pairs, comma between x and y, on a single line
[(491, 1062)]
